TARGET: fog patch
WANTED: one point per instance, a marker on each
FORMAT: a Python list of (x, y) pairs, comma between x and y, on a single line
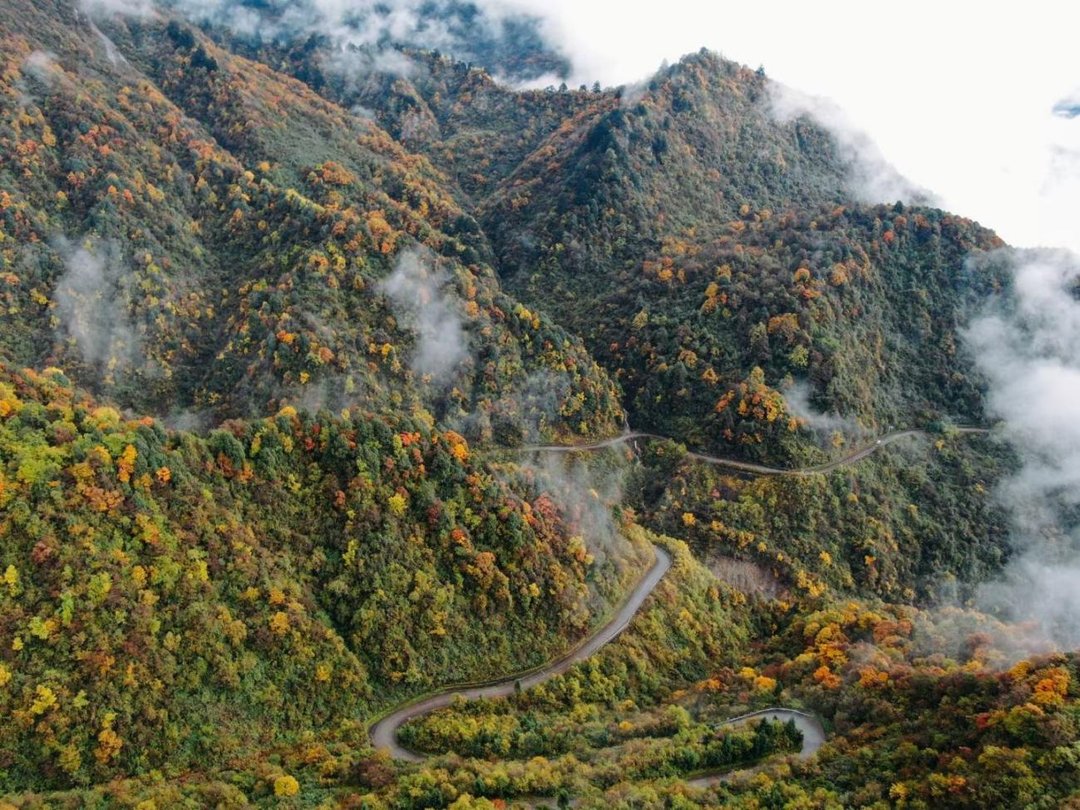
[(139, 9), (365, 38), (188, 421), (797, 403), (111, 52), (354, 64), (93, 303), (530, 413), (419, 296), (586, 495), (362, 112), (42, 66)]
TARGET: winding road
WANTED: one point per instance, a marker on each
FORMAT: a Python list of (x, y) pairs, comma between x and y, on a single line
[(811, 728), (384, 732), (747, 466)]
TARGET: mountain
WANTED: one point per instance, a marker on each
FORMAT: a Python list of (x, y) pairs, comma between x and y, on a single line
[(671, 222), (690, 239), (176, 589), (338, 366), (719, 266), (191, 232)]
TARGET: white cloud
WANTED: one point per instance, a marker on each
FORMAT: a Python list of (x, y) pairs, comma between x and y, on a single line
[(1030, 352), (958, 96), (92, 300), (870, 176), (417, 290), (123, 8), (797, 403), (42, 66)]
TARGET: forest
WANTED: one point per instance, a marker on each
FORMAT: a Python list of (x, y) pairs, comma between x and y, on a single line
[(294, 360)]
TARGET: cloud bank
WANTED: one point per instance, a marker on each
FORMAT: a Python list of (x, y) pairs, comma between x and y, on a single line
[(797, 403), (1029, 350), (362, 38), (872, 179)]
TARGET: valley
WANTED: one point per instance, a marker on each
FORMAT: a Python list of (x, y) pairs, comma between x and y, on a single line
[(322, 331)]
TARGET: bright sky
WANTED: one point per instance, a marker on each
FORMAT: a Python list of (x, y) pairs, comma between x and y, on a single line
[(958, 95)]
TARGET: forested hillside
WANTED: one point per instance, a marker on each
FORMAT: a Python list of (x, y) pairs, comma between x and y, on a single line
[(336, 370), (187, 230), (164, 593), (710, 259)]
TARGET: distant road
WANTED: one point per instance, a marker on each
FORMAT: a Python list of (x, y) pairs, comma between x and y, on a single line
[(384, 732), (747, 466)]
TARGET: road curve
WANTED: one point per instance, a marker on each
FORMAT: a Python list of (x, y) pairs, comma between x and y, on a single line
[(747, 466), (811, 728), (383, 733)]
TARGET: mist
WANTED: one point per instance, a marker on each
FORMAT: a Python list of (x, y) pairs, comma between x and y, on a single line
[(1028, 347), (871, 178), (364, 37), (985, 133), (797, 403), (140, 9), (41, 65), (418, 295), (586, 493), (92, 303)]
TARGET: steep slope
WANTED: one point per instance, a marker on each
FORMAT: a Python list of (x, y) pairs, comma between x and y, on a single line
[(199, 232), (327, 43), (856, 309), (691, 239), (167, 597), (370, 273), (477, 130)]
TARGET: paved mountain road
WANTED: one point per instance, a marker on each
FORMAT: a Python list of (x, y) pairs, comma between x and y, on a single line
[(747, 466), (811, 728), (384, 732)]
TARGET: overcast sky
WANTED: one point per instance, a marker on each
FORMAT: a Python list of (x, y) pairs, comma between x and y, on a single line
[(958, 95)]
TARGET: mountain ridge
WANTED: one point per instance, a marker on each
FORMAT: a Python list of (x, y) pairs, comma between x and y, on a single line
[(280, 336)]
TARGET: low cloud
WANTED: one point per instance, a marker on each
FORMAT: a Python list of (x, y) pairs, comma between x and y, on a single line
[(871, 178), (187, 421), (1029, 350), (93, 304), (112, 53), (41, 65), (363, 38), (357, 64), (139, 9), (586, 494), (797, 402), (418, 295), (537, 403)]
